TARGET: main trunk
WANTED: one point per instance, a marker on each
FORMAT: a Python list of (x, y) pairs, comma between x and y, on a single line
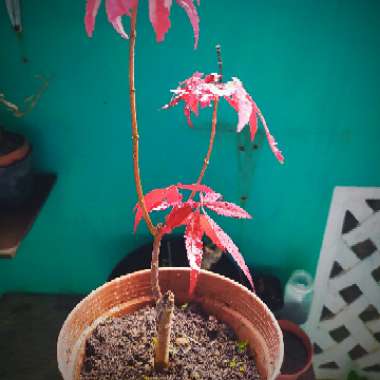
[(164, 309)]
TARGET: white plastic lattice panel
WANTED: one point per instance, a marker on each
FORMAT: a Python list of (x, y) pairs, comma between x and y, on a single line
[(344, 321)]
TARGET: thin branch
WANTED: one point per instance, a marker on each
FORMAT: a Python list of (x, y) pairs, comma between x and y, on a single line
[(135, 134), (210, 146), (213, 125), (220, 61)]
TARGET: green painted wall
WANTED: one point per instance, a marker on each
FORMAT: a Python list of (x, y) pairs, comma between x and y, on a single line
[(312, 66)]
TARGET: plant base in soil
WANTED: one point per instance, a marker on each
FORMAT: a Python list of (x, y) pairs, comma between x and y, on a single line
[(201, 348)]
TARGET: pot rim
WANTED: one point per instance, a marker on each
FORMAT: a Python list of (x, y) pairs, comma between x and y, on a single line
[(269, 314), (296, 330), (16, 155)]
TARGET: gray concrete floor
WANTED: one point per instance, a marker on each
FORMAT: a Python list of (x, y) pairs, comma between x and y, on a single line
[(29, 328)]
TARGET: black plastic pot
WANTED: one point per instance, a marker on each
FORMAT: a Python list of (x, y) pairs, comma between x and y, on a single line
[(16, 176)]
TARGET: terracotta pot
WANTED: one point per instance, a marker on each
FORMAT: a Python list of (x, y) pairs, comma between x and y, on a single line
[(15, 155), (292, 328), (230, 302)]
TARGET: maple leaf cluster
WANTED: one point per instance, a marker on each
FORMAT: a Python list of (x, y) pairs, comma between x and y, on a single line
[(200, 90), (192, 214), (159, 15), (197, 91)]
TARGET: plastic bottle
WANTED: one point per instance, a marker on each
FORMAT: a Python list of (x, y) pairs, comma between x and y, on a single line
[(298, 295)]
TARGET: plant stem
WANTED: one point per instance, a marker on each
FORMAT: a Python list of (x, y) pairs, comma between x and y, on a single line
[(154, 278), (213, 125), (220, 61), (210, 146), (164, 308), (164, 321), (164, 303), (135, 133)]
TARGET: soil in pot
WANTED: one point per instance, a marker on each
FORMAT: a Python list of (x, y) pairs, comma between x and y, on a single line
[(201, 348), (295, 354)]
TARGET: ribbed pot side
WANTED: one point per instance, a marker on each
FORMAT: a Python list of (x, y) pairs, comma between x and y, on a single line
[(229, 301)]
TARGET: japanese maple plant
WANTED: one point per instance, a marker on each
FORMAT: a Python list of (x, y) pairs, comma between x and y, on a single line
[(188, 205)]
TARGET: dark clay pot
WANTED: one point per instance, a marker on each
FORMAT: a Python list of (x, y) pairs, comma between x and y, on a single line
[(16, 177), (298, 353)]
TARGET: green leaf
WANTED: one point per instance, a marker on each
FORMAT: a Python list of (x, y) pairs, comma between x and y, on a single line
[(242, 346)]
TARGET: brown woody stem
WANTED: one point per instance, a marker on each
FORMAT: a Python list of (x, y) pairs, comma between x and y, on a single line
[(135, 133), (164, 303), (164, 320), (164, 309), (154, 277)]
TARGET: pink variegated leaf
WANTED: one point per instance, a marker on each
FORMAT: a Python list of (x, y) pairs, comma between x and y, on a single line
[(228, 209), (194, 248), (196, 91), (208, 230), (248, 112), (253, 122), (187, 113), (172, 195), (161, 206), (210, 197), (177, 217), (158, 199), (151, 205), (212, 78), (245, 105), (116, 9), (196, 187), (159, 12), (241, 103), (231, 248), (272, 142), (192, 103), (92, 8), (189, 7)]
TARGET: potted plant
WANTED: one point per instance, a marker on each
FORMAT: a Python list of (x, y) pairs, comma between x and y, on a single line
[(16, 177), (298, 351), (186, 204)]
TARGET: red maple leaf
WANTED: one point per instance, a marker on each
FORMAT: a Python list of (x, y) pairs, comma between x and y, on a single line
[(197, 222), (194, 247), (178, 216), (226, 242), (159, 13), (202, 91), (158, 199)]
